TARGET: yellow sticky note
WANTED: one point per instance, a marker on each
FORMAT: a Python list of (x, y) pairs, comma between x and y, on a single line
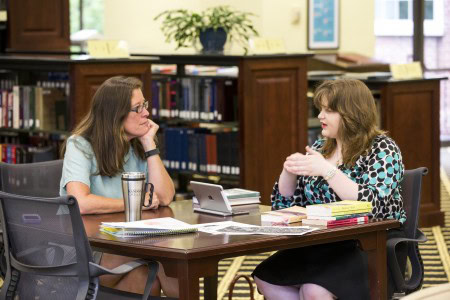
[(266, 46), (107, 49), (276, 46), (407, 71), (259, 46)]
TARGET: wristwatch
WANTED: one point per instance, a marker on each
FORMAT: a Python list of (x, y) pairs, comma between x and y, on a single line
[(151, 152)]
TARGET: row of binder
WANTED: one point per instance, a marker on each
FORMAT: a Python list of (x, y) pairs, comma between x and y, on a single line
[(200, 150)]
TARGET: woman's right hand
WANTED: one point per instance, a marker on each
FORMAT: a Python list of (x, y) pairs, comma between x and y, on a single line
[(155, 202)]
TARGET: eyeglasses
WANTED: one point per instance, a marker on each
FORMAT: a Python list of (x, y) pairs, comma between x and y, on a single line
[(138, 109)]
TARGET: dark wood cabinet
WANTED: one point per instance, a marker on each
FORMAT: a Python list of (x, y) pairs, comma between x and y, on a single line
[(38, 25), (273, 118), (410, 114)]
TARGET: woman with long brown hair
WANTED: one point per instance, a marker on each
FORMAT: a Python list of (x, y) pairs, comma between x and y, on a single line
[(354, 161), (115, 136)]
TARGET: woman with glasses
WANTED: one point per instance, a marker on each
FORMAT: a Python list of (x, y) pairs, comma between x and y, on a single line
[(115, 136)]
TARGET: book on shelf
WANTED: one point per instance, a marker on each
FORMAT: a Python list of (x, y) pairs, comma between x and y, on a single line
[(338, 208), (150, 227), (288, 215), (336, 223)]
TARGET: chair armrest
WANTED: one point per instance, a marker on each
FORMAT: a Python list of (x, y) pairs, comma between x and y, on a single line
[(97, 270), (414, 257)]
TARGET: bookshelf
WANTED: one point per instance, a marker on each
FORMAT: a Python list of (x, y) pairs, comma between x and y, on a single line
[(270, 112), (76, 78)]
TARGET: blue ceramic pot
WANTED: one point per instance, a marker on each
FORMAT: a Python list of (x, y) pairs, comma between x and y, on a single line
[(213, 40)]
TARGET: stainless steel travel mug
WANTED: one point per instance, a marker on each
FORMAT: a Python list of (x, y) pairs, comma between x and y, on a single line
[(133, 188)]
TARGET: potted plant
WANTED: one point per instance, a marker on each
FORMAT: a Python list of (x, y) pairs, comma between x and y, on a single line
[(212, 27)]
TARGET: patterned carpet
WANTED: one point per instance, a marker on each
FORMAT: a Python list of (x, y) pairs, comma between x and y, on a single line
[(435, 252)]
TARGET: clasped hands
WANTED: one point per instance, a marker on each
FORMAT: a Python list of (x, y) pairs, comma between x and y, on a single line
[(310, 164)]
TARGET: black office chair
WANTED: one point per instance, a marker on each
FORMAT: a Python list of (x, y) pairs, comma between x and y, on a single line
[(397, 257), (48, 255), (32, 179)]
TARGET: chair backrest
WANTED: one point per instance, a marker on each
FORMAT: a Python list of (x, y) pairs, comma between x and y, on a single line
[(33, 179), (46, 249), (411, 193)]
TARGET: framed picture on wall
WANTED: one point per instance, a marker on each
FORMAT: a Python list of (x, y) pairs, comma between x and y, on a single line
[(323, 24)]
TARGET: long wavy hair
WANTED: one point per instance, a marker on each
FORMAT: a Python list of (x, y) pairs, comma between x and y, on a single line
[(354, 102), (103, 126)]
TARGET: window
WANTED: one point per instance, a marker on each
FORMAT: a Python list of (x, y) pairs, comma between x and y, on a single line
[(91, 12), (394, 18)]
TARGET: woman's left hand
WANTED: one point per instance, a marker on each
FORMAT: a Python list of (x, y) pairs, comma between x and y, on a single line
[(148, 139), (313, 164)]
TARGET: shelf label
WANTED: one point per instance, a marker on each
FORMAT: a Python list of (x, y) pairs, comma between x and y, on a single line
[(108, 49), (3, 16), (406, 71), (266, 46)]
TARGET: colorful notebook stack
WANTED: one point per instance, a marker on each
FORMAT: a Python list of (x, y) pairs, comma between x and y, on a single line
[(341, 213)]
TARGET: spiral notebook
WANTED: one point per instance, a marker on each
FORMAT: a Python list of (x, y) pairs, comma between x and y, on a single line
[(150, 227)]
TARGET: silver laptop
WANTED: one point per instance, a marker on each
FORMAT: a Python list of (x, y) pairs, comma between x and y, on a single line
[(212, 200)]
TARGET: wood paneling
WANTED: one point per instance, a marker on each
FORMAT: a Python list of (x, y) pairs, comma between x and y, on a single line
[(273, 119), (410, 113), (38, 25)]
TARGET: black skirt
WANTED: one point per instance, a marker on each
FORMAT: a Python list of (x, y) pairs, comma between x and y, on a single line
[(339, 267)]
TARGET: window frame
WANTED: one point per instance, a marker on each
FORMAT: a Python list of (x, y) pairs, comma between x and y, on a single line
[(397, 27)]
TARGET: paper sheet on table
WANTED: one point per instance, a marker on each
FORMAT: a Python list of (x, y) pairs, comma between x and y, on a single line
[(213, 228), (267, 230), (235, 228)]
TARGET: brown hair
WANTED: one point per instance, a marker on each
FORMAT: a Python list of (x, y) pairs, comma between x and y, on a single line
[(103, 127), (354, 102)]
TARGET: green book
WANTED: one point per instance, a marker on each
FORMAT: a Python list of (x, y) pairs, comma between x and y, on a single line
[(240, 193)]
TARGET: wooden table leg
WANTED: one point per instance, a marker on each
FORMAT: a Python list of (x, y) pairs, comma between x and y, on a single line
[(210, 287), (375, 246), (188, 282)]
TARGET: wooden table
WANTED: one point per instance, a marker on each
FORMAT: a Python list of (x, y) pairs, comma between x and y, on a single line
[(189, 257)]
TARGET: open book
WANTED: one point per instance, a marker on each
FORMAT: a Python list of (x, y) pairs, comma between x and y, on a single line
[(150, 227)]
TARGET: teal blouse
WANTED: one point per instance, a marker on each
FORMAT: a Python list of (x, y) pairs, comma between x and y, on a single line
[(80, 165)]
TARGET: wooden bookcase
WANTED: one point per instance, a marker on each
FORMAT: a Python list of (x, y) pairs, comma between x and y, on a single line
[(272, 111), (84, 75), (81, 74)]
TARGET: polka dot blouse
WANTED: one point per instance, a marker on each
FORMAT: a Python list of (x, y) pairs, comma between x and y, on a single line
[(377, 174)]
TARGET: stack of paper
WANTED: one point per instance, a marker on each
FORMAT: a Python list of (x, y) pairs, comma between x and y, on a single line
[(150, 227)]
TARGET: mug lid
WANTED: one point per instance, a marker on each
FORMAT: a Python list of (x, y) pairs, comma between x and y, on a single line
[(133, 175)]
